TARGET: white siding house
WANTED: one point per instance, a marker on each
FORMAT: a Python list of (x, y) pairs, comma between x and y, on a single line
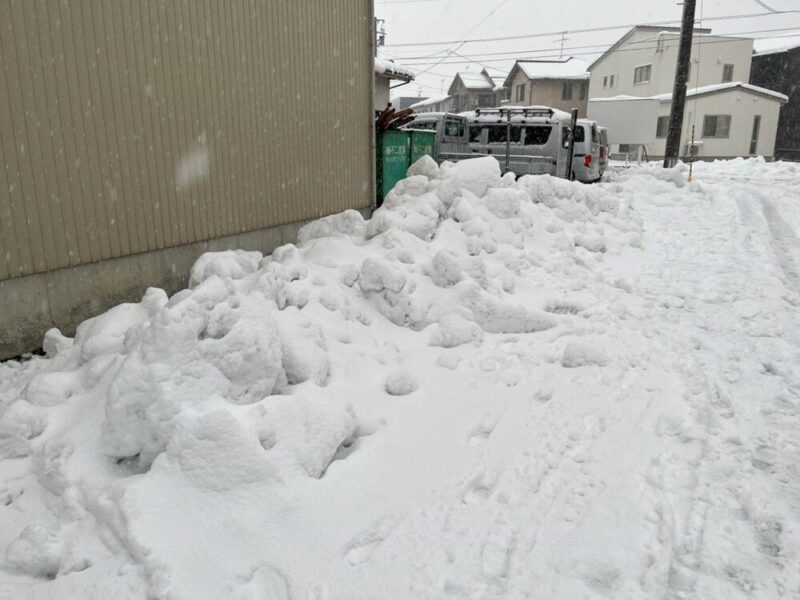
[(630, 90), (387, 71)]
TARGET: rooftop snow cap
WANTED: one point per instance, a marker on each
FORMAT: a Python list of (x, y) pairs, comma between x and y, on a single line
[(392, 70), (570, 68)]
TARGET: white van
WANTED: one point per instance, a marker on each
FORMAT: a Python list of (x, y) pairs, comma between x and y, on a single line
[(451, 134), (531, 136), (586, 157)]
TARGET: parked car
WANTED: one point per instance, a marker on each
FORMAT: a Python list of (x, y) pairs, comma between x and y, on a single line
[(451, 134), (602, 133), (586, 152)]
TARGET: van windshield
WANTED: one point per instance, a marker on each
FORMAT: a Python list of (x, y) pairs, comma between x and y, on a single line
[(454, 128), (580, 134)]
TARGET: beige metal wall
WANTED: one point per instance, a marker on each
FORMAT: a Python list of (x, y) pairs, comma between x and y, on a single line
[(133, 125)]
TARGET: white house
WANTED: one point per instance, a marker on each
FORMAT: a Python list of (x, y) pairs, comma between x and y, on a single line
[(432, 104), (630, 89), (387, 71)]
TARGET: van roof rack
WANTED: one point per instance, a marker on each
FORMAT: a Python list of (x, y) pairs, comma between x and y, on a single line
[(538, 111)]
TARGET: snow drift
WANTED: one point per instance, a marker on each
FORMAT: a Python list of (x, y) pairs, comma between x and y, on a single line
[(488, 390)]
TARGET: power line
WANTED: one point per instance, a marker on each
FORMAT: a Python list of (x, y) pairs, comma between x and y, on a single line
[(555, 55), (600, 47), (587, 30)]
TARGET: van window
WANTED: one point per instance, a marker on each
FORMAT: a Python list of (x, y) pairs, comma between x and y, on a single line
[(580, 134), (454, 128), (497, 134), (537, 135), (594, 134), (426, 125), (475, 134)]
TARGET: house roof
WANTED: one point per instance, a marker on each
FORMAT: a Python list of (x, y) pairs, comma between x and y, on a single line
[(703, 91), (474, 80), (765, 47), (392, 70), (633, 30), (430, 101), (570, 68)]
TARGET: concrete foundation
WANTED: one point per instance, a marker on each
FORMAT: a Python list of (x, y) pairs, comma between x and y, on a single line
[(31, 305)]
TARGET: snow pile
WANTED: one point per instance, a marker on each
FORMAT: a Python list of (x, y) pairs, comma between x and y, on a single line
[(491, 389)]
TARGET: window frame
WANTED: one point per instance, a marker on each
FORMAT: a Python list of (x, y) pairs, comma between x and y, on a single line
[(611, 81), (638, 72), (519, 95), (566, 86), (665, 119), (724, 72), (605, 82), (715, 135)]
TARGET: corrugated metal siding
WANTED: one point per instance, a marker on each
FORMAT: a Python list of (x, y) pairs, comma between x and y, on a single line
[(100, 102)]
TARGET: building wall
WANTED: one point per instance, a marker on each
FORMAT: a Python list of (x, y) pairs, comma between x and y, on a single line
[(709, 54), (635, 122), (548, 92), (382, 92), (133, 127), (781, 72)]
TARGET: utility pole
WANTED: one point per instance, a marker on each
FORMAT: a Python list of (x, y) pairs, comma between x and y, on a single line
[(679, 91)]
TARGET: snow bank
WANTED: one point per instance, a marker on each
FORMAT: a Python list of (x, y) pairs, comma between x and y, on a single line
[(433, 402)]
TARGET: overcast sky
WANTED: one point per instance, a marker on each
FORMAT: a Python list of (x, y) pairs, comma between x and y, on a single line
[(410, 21)]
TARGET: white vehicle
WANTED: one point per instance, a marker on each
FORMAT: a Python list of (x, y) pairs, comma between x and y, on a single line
[(526, 141), (451, 134), (586, 151)]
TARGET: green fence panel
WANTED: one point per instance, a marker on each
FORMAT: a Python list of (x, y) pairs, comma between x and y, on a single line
[(392, 149), (422, 143)]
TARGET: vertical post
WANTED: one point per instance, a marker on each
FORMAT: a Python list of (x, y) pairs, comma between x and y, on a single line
[(571, 143), (679, 90), (508, 140), (691, 154)]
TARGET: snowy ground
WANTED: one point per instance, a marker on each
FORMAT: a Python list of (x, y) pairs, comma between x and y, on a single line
[(531, 390)]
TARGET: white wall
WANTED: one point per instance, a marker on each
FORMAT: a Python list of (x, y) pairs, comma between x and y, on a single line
[(635, 121), (709, 54), (381, 92)]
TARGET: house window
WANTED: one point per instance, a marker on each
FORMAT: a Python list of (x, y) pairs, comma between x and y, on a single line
[(754, 136), (662, 127), (611, 81), (520, 93), (716, 126), (566, 91), (727, 73), (605, 82), (486, 100), (642, 74), (584, 90)]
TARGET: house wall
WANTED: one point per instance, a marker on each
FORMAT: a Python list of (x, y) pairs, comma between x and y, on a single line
[(547, 92), (781, 72), (709, 54), (130, 129), (635, 122), (382, 92)]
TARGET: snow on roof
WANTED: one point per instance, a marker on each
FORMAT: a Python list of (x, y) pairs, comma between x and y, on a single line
[(476, 81), (652, 28), (765, 47), (571, 68), (393, 70), (708, 89), (430, 101)]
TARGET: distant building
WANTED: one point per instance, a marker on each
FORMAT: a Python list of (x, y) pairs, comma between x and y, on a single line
[(630, 92), (470, 90), (779, 69), (561, 84), (433, 104), (387, 71), (401, 102)]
